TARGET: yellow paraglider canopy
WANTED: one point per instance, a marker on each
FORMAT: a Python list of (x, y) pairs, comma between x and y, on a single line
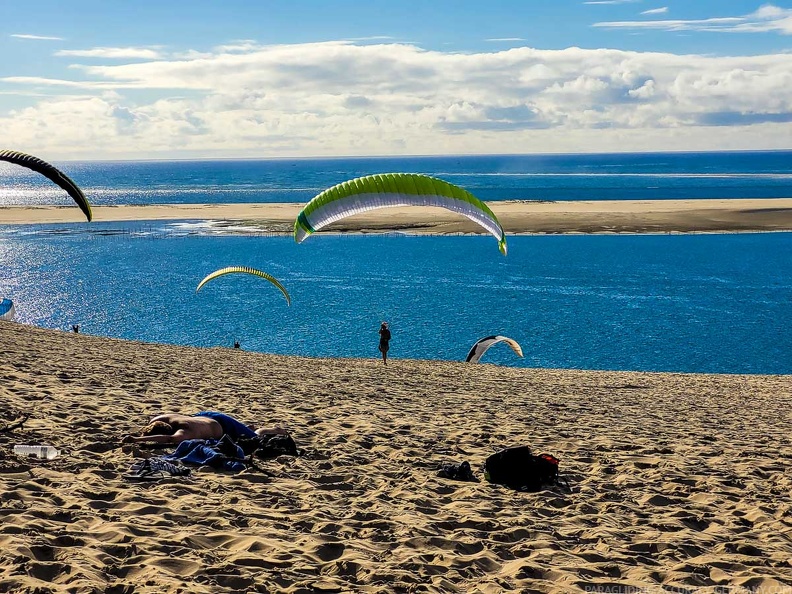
[(245, 270)]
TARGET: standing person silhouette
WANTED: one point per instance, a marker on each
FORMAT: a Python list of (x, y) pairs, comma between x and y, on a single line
[(385, 336)]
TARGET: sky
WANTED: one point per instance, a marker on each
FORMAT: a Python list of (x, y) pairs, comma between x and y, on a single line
[(183, 79)]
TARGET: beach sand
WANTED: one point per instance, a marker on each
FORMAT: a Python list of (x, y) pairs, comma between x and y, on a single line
[(516, 216), (679, 482)]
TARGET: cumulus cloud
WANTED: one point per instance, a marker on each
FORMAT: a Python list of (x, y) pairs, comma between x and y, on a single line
[(373, 38), (36, 37), (133, 53), (768, 18), (344, 98)]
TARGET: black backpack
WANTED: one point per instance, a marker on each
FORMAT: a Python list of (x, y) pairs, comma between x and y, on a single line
[(269, 446), (520, 469)]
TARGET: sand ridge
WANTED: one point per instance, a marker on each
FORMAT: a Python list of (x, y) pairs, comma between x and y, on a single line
[(679, 481), (516, 216)]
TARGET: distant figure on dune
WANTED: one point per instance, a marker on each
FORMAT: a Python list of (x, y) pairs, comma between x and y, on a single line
[(174, 428), (385, 336), (236, 344), (76, 328)]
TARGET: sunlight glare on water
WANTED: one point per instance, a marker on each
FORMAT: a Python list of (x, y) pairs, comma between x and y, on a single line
[(705, 303)]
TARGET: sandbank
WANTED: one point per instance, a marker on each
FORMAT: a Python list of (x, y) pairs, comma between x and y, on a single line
[(679, 482), (608, 216)]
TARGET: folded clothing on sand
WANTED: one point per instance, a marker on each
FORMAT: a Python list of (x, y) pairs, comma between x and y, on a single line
[(152, 469), (217, 453), (231, 427)]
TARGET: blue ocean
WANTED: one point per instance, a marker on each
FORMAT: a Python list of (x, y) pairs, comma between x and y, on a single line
[(645, 176), (685, 303)]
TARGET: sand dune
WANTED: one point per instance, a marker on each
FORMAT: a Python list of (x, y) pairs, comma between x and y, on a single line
[(679, 481), (516, 216)]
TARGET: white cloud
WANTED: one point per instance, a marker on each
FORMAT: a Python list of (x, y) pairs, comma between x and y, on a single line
[(373, 38), (342, 98), (241, 45), (133, 53), (768, 18), (645, 91), (23, 94), (611, 1), (662, 10), (38, 82), (36, 37)]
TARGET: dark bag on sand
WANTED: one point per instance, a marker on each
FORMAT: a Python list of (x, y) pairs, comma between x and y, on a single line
[(520, 469), (269, 446)]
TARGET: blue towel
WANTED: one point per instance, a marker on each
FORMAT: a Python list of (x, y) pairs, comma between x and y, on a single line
[(231, 427), (204, 452)]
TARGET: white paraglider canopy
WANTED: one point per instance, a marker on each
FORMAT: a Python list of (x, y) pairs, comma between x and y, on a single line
[(485, 343)]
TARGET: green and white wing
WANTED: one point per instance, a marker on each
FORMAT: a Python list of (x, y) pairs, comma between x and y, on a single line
[(393, 189)]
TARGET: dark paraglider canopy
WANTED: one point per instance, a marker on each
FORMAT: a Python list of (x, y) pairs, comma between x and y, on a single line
[(52, 173)]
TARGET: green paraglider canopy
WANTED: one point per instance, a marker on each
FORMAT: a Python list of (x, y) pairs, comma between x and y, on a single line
[(393, 189)]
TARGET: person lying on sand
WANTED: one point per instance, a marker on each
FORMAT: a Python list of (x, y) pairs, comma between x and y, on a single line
[(175, 428)]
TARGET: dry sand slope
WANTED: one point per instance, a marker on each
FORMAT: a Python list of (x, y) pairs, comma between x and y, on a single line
[(679, 481)]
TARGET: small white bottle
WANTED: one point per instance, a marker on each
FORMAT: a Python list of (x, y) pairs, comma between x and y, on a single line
[(45, 452)]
